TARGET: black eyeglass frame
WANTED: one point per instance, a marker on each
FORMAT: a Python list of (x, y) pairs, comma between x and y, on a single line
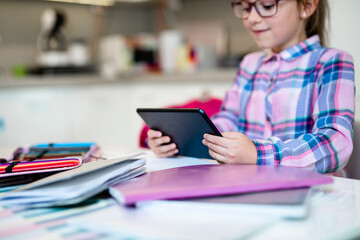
[(251, 5)]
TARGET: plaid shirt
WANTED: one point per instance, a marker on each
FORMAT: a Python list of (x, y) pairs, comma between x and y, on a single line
[(296, 106)]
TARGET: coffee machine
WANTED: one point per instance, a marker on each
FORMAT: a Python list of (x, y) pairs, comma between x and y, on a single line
[(52, 44)]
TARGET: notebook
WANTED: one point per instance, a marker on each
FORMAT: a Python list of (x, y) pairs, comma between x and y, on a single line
[(213, 180), (288, 203), (185, 126)]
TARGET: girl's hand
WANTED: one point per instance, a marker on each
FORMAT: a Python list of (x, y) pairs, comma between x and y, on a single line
[(159, 144), (233, 147)]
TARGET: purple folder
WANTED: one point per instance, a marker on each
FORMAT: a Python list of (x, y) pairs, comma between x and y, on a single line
[(213, 180)]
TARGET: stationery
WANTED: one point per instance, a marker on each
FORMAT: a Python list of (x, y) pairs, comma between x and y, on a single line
[(39, 165), (55, 150), (213, 180), (38, 159)]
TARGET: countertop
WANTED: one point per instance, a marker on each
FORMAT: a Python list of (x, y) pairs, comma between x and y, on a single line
[(218, 75)]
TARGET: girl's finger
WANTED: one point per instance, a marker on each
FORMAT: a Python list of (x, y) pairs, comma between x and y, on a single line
[(216, 140), (155, 142), (166, 148), (170, 153), (219, 150), (154, 134), (233, 135), (218, 157)]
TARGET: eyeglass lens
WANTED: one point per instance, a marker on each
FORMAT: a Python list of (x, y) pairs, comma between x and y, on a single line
[(265, 8)]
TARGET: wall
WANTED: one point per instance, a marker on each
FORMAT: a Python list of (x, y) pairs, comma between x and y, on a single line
[(345, 35)]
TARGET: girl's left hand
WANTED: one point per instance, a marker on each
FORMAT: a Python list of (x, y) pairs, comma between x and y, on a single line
[(233, 147)]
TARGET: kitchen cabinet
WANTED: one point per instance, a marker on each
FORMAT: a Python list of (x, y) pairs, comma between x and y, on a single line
[(89, 108)]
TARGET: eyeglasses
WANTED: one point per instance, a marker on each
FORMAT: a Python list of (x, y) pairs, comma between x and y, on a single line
[(265, 8)]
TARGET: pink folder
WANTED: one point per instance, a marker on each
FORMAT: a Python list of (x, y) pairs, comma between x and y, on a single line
[(213, 180)]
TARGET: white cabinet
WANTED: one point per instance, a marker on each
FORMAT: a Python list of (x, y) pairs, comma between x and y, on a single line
[(30, 113), (99, 111)]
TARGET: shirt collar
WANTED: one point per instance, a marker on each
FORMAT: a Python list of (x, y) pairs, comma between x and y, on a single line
[(295, 51)]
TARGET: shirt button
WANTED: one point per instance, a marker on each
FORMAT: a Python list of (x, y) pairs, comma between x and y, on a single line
[(271, 79), (268, 119)]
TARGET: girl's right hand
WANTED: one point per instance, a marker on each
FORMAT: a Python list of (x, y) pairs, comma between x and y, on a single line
[(159, 144)]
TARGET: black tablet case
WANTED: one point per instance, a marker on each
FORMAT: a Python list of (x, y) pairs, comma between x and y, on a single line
[(185, 126)]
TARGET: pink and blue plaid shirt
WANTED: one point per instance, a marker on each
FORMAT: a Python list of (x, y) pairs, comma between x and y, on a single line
[(296, 106)]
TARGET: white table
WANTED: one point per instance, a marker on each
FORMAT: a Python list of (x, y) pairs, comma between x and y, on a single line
[(335, 214)]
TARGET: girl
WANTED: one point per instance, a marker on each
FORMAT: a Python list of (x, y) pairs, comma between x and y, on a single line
[(292, 104)]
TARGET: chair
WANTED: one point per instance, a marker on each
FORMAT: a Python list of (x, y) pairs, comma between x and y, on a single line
[(353, 165)]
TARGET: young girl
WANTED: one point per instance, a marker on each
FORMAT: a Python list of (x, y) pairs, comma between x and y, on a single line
[(292, 104)]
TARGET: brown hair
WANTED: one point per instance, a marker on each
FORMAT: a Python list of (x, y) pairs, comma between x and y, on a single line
[(316, 23)]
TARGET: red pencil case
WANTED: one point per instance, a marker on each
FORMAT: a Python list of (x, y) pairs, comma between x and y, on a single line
[(39, 166)]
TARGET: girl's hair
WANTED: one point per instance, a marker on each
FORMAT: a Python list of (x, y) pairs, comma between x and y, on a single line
[(316, 24)]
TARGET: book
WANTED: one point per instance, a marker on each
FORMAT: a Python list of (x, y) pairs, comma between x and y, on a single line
[(213, 180), (76, 185)]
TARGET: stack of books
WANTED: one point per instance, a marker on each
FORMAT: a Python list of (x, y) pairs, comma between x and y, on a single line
[(62, 174)]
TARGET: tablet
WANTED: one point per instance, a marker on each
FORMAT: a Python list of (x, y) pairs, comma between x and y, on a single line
[(185, 126)]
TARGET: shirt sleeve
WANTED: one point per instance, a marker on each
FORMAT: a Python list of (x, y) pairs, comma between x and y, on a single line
[(230, 118), (226, 120), (329, 145)]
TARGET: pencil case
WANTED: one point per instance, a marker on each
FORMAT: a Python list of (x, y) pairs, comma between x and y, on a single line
[(37, 166), (48, 157)]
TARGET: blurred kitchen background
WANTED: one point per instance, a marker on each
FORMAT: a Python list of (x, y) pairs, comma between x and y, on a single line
[(76, 70), (37, 35)]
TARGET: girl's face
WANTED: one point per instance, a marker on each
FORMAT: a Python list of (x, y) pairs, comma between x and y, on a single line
[(279, 32)]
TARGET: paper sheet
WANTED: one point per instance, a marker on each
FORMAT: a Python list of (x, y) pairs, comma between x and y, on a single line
[(171, 223)]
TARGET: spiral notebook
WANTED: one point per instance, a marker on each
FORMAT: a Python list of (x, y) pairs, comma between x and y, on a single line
[(55, 150)]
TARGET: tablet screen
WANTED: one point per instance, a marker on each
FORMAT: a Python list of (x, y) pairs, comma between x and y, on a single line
[(185, 126)]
